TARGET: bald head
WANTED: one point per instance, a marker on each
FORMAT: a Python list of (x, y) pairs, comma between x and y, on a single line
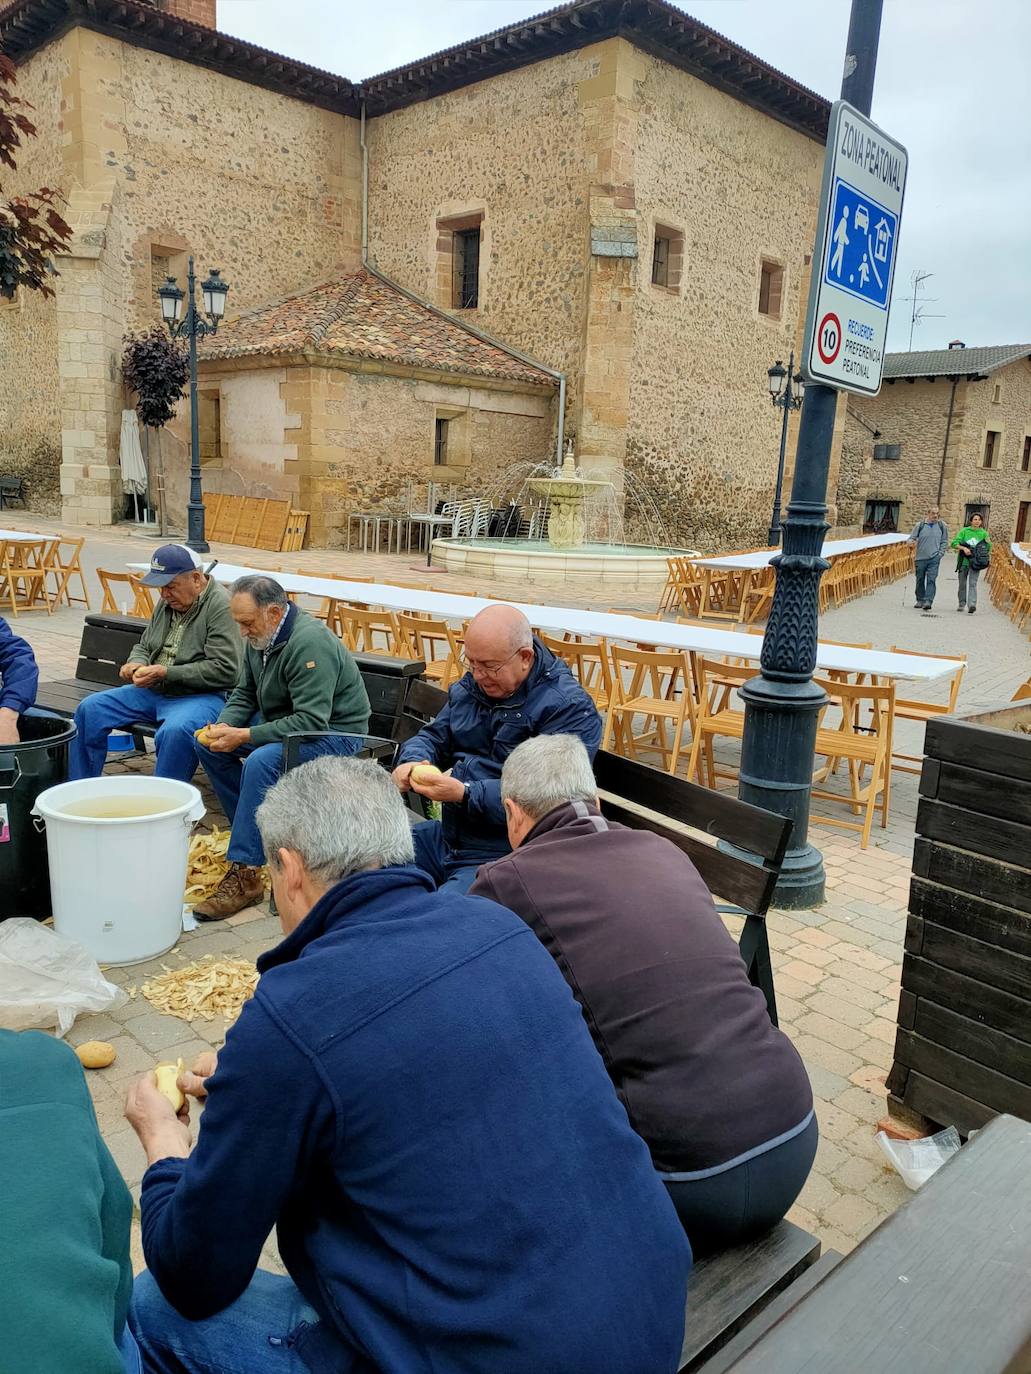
[(499, 650)]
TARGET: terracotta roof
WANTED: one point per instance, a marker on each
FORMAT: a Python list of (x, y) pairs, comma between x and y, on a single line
[(953, 362), (652, 25), (362, 316)]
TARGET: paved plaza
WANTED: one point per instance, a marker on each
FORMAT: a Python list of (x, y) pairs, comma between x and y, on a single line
[(837, 968)]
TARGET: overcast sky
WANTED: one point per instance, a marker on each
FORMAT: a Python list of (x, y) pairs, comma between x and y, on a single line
[(952, 85)]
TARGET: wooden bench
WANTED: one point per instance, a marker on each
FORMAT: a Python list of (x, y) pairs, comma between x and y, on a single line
[(108, 640), (12, 489), (941, 1285), (742, 867)]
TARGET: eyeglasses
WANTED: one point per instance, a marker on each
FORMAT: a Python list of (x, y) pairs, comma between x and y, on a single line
[(486, 669)]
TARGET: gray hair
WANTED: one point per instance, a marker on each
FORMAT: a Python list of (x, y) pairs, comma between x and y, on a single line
[(546, 772), (262, 589), (340, 815)]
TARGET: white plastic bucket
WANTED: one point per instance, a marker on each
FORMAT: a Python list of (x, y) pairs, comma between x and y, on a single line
[(117, 884)]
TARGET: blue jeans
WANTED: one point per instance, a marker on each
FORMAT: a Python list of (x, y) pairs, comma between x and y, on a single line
[(926, 580), (176, 717), (724, 1209), (241, 780), (270, 1329), (451, 868)]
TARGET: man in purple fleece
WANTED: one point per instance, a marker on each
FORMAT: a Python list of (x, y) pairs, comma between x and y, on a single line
[(413, 1100), (717, 1092)]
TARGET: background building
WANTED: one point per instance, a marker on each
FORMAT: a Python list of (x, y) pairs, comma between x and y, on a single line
[(614, 190), (950, 427)]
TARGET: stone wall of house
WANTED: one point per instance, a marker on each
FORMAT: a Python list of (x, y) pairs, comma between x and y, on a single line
[(30, 423), (338, 438), (740, 187), (161, 158), (914, 415), (516, 149), (1005, 485)]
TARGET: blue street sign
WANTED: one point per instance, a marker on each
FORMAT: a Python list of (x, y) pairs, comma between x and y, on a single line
[(861, 238)]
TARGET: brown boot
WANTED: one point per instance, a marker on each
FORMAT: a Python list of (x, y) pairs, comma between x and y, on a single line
[(241, 886)]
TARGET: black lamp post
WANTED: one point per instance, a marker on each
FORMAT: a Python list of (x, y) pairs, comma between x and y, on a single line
[(786, 392), (782, 706), (192, 327)]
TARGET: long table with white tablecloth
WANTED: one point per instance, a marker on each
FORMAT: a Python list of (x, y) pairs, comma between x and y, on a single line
[(597, 624), (834, 548)]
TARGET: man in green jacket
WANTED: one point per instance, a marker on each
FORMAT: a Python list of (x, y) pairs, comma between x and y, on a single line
[(177, 676), (297, 677), (65, 1273)]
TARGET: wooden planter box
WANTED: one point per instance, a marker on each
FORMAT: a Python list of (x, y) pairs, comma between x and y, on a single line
[(963, 1049)]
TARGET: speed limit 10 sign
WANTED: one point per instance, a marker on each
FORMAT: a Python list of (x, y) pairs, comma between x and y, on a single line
[(864, 181)]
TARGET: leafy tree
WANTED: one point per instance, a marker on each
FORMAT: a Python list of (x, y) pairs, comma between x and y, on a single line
[(156, 368), (31, 230)]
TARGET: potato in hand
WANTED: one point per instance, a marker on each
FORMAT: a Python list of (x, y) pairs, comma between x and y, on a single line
[(424, 772), (165, 1076)]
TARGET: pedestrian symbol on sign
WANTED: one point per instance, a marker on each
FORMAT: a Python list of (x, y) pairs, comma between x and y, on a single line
[(859, 258)]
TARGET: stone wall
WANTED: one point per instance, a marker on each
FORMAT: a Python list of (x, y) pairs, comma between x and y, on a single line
[(30, 424), (1005, 485), (340, 437), (517, 149), (160, 158), (740, 187), (914, 415)]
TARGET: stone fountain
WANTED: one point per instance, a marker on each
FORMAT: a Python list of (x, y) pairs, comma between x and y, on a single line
[(566, 493), (574, 510)]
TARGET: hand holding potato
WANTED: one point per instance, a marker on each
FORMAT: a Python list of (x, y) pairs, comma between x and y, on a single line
[(194, 1081)]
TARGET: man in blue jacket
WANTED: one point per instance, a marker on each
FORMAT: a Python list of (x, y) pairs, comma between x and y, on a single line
[(514, 689), (413, 1099), (19, 678)]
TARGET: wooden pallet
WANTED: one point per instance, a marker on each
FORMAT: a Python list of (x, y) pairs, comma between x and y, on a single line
[(257, 522)]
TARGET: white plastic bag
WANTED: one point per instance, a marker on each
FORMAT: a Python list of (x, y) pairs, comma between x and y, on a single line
[(47, 980), (917, 1160)]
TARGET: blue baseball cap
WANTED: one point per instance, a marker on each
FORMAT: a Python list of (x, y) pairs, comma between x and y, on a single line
[(170, 560)]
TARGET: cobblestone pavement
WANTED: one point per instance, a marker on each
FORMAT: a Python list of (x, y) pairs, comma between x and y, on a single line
[(836, 968)]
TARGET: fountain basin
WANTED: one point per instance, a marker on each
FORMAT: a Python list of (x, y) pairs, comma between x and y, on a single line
[(630, 567)]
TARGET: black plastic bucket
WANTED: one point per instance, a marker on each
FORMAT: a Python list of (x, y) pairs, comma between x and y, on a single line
[(27, 769)]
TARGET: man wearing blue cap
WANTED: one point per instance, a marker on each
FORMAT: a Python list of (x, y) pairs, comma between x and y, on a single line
[(176, 678)]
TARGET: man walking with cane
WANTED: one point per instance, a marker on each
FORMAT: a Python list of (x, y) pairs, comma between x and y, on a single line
[(931, 537)]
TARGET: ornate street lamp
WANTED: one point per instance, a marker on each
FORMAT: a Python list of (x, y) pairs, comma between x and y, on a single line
[(192, 327), (786, 393)]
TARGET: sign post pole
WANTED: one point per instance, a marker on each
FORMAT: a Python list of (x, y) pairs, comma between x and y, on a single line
[(783, 704)]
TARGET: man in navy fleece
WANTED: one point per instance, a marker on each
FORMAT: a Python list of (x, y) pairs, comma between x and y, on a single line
[(19, 678), (413, 1099)]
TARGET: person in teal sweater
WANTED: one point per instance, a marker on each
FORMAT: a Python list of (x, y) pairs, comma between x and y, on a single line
[(65, 1212), (297, 678), (969, 565)]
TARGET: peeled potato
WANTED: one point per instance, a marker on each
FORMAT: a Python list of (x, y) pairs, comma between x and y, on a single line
[(203, 734), (164, 1077), (96, 1054), (424, 772)]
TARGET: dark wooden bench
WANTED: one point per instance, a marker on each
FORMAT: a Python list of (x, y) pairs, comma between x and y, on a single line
[(108, 640), (743, 864), (11, 489), (941, 1285)]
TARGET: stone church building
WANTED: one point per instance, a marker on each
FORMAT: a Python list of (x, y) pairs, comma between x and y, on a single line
[(607, 208)]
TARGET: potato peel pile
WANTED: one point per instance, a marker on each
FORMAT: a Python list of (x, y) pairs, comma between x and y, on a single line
[(202, 991), (206, 866)]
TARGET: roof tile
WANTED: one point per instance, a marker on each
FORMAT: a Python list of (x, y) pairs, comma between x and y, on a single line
[(953, 362), (360, 315)]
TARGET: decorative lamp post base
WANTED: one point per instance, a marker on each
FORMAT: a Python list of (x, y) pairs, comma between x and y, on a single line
[(195, 529)]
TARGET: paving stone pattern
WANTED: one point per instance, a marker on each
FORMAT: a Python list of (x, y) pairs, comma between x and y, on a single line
[(837, 968)]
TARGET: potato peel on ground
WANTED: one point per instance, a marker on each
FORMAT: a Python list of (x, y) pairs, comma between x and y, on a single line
[(205, 990), (206, 865)]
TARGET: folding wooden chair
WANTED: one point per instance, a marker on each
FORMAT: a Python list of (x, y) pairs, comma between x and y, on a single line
[(23, 583), (862, 747), (136, 599), (916, 708), (368, 632), (1023, 692), (657, 686), (716, 717), (590, 664), (433, 641), (63, 566)]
